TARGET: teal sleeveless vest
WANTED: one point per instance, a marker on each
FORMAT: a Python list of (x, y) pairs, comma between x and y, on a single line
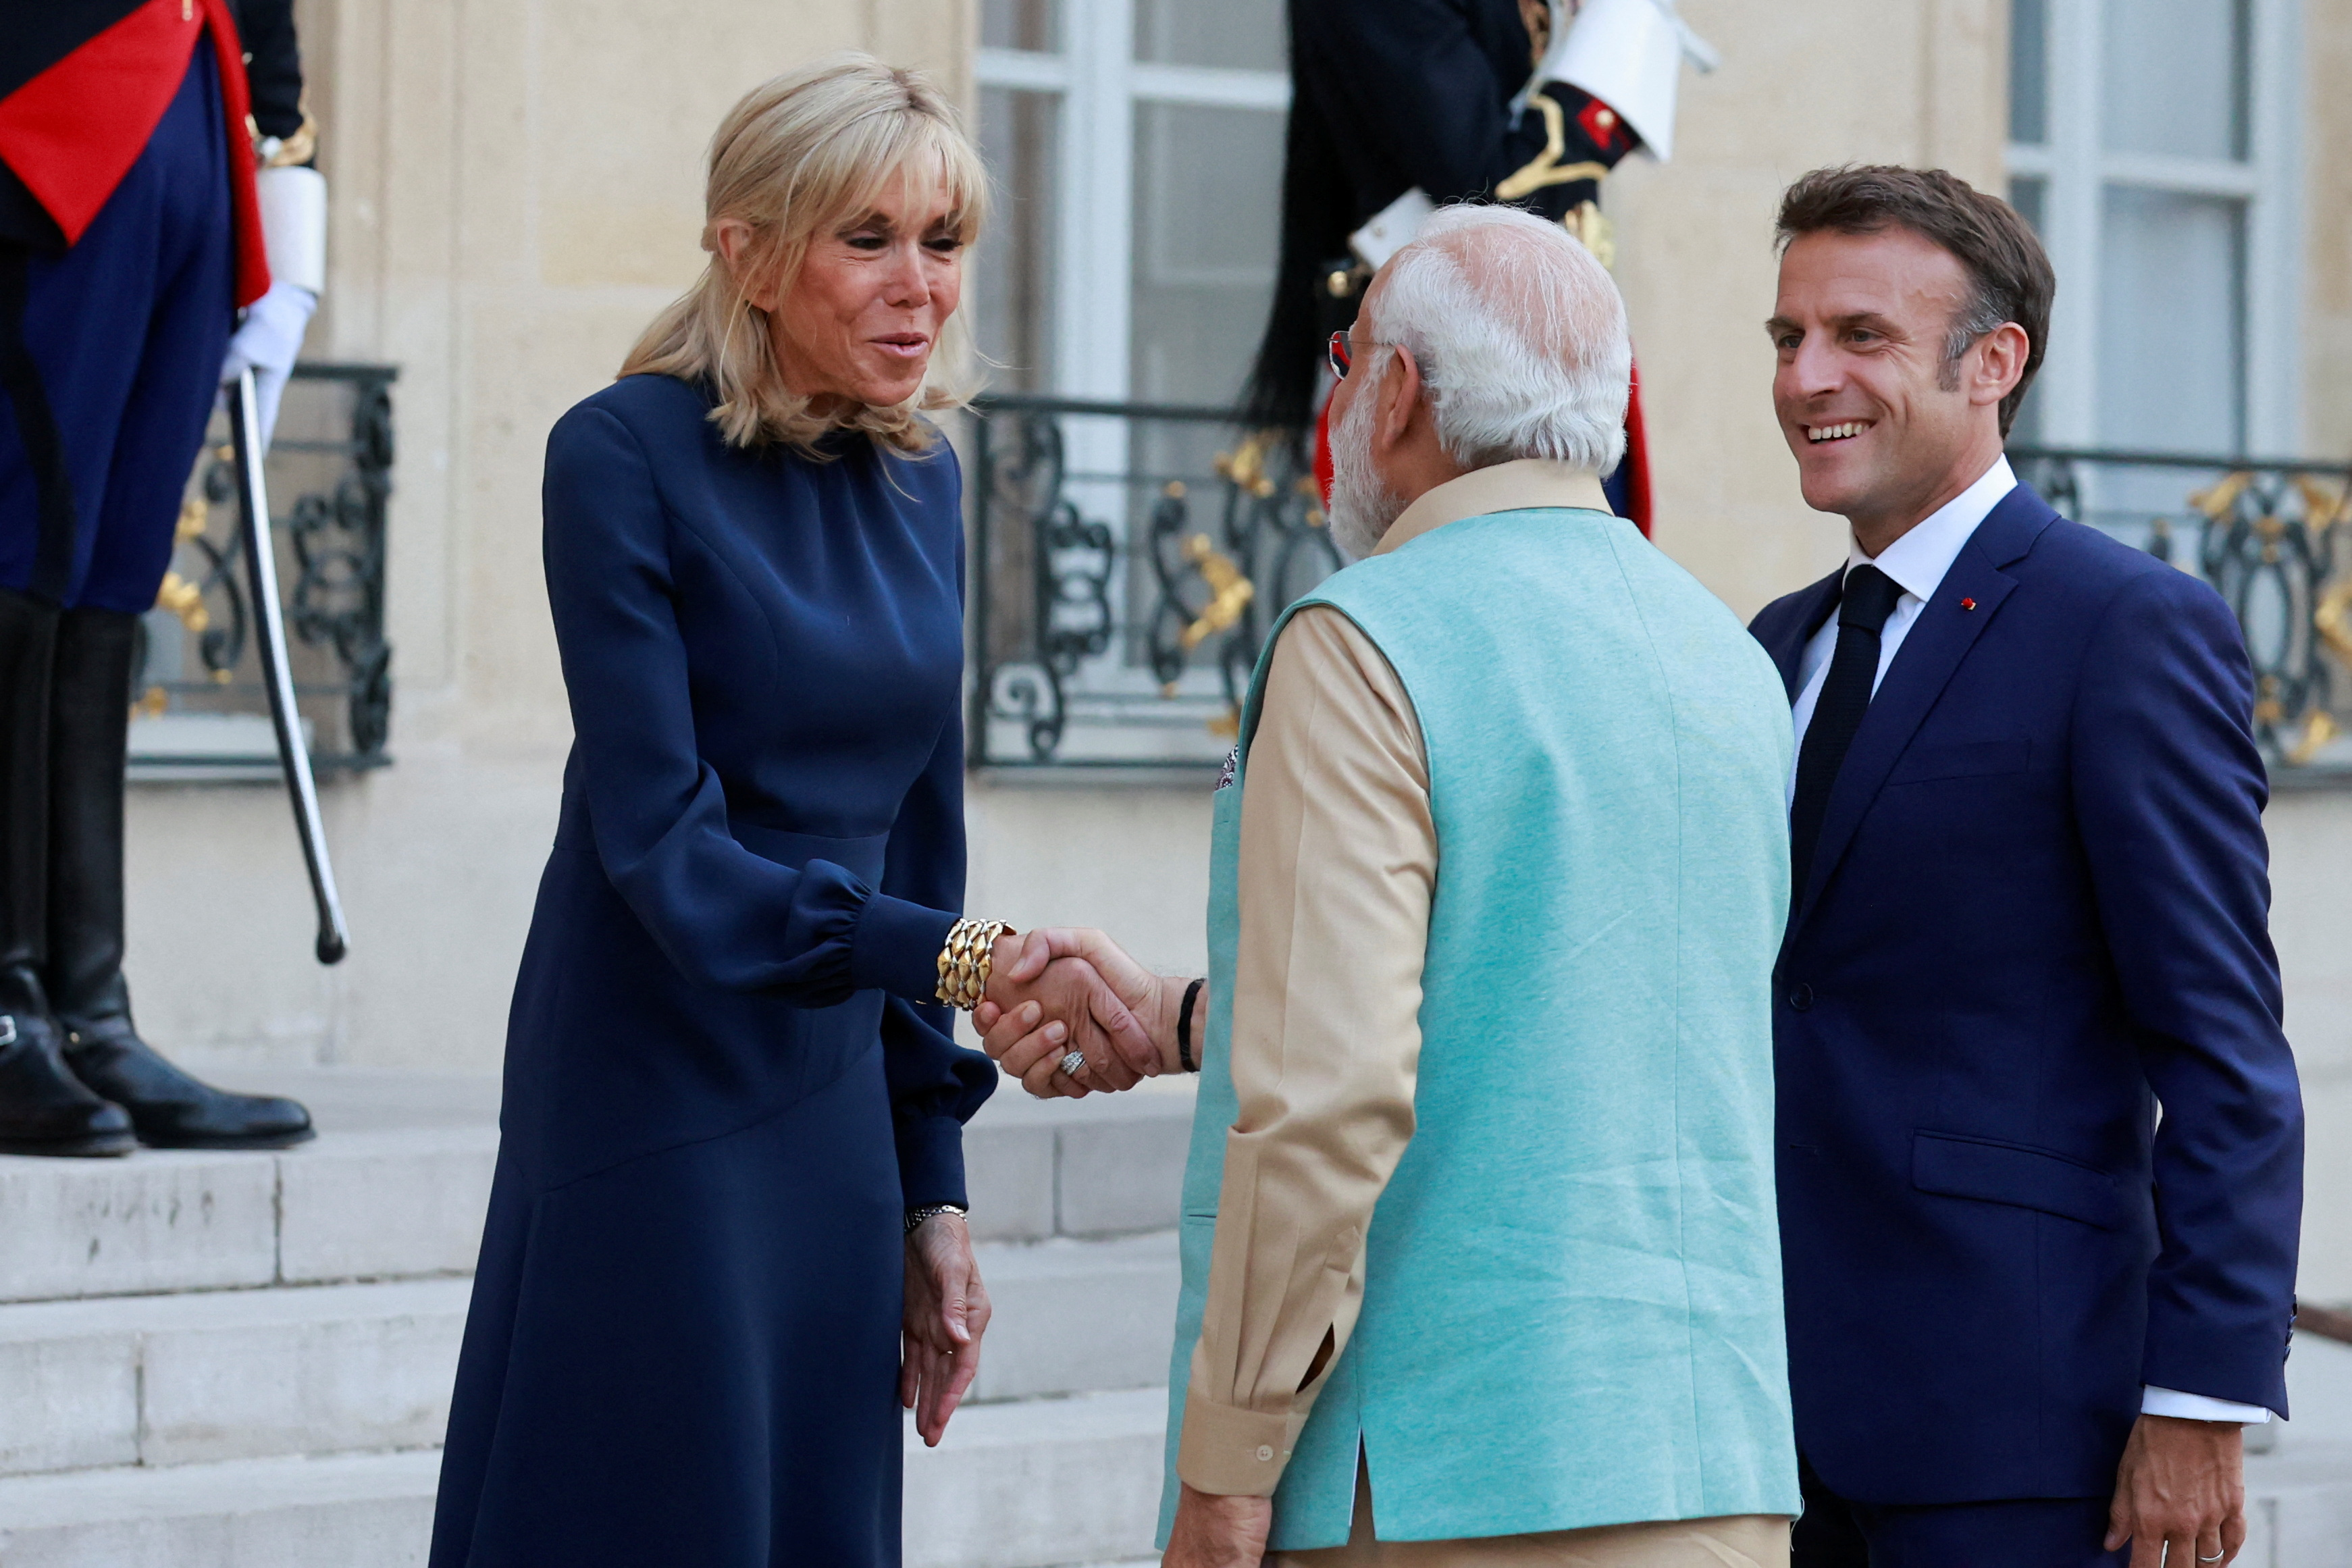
[(1572, 1311)]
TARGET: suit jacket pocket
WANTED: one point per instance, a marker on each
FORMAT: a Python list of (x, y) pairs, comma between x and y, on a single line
[(1970, 759), (1959, 1166)]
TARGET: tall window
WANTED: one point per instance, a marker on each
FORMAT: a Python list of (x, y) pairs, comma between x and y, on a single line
[(2152, 143), (1137, 147)]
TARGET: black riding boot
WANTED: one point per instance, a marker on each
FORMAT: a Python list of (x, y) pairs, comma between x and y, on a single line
[(43, 1108), (88, 736)]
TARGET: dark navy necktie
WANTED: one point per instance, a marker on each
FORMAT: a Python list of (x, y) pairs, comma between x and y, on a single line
[(1867, 600)]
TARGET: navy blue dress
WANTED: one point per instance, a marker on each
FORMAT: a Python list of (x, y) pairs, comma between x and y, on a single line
[(725, 1077)]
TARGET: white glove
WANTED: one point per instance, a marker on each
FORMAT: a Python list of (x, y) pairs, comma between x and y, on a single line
[(294, 237), (267, 345)]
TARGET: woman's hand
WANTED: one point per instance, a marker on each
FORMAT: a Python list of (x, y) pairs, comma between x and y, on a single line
[(1059, 999), (1028, 1039), (946, 1313)]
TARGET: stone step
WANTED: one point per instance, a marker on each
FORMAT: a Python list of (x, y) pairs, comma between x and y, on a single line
[(227, 1375), (363, 1510), (1107, 1166), (1075, 1317), (352, 1206), (395, 1186), (1014, 1486), (1041, 1482), (232, 1374), (1025, 1485), (2299, 1507)]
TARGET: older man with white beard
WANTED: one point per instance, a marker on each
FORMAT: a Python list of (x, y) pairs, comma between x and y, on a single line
[(1478, 1249)]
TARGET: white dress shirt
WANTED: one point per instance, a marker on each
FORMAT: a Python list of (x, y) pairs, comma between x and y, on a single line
[(1917, 562)]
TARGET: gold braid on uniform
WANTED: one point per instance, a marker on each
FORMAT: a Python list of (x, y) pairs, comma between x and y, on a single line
[(286, 151), (964, 961), (1545, 168)]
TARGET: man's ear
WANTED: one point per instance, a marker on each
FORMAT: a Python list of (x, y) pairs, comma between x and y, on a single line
[(1400, 397), (2000, 357)]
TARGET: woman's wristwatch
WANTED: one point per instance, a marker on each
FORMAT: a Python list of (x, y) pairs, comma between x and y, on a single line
[(916, 1216)]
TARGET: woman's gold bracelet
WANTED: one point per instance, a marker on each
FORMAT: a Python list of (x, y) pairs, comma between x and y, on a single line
[(964, 961)]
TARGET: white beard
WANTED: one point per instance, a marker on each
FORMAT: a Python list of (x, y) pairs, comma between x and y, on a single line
[(1362, 508)]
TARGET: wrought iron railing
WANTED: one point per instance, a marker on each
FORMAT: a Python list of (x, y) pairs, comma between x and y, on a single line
[(1128, 561), (200, 711), (2271, 538)]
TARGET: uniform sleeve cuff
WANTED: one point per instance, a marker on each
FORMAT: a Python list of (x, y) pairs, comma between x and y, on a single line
[(896, 948), (1231, 1452), (2154, 1401)]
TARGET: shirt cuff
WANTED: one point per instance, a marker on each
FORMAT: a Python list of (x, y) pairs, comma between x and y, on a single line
[(2154, 1401), (1230, 1452), (896, 948)]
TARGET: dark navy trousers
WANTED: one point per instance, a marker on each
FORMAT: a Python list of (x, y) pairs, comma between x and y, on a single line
[(125, 331), (2030, 1532)]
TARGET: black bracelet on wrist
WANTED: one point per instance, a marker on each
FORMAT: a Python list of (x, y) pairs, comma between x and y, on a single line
[(916, 1216), (1184, 1027)]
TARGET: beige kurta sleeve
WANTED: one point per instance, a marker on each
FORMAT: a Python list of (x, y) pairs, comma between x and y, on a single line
[(1339, 857)]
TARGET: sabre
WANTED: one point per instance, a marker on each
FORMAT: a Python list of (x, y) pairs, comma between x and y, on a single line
[(261, 574)]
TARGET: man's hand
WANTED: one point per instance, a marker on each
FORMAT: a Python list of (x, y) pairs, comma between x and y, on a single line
[(946, 1313), (1028, 1038), (1213, 1531), (1048, 994), (1067, 1006), (2180, 1493)]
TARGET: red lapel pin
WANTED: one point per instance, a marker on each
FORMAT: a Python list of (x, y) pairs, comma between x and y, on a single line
[(1967, 604)]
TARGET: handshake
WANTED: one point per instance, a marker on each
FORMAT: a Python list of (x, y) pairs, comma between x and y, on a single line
[(1069, 1014)]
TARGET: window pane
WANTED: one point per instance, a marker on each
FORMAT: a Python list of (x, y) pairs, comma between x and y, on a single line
[(1020, 24), (1246, 34), (1012, 273), (2028, 196), (2175, 78), (2171, 351), (1207, 209), (2029, 70)]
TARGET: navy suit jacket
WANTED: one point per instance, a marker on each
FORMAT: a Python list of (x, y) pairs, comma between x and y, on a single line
[(2039, 912)]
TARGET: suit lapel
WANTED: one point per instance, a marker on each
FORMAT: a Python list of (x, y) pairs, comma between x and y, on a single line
[(1931, 653), (1813, 607)]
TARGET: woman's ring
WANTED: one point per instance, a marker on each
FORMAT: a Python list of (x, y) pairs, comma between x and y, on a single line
[(2215, 1558), (1072, 1061)]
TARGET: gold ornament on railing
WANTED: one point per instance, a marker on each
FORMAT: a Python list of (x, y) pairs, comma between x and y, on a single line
[(2333, 619), (1230, 592), (185, 600), (1246, 465), (2331, 613), (2318, 729), (1230, 589)]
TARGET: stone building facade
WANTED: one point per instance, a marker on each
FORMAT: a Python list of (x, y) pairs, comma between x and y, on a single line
[(517, 190)]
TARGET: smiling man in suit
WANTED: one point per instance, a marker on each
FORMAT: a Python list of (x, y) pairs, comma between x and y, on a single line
[(2027, 1316)]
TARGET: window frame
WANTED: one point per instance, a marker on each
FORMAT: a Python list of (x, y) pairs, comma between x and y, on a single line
[(2075, 172), (1100, 83)]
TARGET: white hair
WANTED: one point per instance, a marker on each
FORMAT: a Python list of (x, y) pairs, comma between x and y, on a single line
[(1364, 508), (1520, 336)]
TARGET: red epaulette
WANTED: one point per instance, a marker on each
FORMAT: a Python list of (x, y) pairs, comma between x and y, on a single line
[(72, 132)]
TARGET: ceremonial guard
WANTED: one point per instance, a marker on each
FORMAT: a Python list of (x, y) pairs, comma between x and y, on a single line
[(1399, 107), (154, 179)]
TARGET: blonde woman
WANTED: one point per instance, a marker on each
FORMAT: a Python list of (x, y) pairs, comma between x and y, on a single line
[(732, 1128)]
